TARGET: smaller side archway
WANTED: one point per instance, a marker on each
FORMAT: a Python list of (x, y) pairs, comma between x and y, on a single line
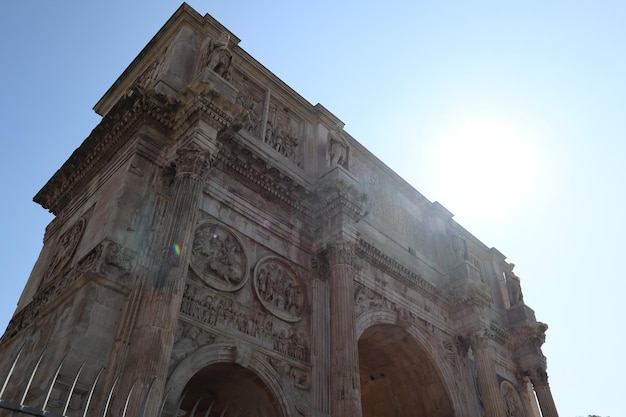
[(227, 380)]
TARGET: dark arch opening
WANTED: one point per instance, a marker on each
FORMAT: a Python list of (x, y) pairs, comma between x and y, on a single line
[(229, 389), (399, 377)]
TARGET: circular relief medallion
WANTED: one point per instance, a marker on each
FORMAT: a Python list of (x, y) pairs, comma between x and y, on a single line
[(218, 257), (279, 289)]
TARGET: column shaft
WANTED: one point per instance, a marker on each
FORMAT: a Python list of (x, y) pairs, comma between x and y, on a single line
[(544, 395), (344, 354)]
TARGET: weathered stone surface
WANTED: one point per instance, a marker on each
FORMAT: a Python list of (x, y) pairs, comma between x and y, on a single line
[(220, 244)]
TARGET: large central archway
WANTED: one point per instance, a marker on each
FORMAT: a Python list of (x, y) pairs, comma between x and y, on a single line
[(399, 377), (228, 390)]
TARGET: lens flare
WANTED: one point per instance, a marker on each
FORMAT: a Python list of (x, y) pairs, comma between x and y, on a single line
[(176, 249)]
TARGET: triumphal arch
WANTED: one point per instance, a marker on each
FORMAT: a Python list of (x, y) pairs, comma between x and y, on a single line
[(222, 247)]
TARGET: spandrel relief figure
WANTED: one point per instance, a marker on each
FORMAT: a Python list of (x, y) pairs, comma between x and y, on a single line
[(338, 148), (220, 57), (218, 257)]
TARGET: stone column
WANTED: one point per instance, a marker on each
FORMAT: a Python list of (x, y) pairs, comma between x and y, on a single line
[(161, 289), (539, 379), (345, 384), (488, 386)]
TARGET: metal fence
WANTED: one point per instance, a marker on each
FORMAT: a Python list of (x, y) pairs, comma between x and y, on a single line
[(18, 408)]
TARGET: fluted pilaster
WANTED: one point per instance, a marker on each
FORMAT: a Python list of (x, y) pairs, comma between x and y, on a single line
[(486, 375), (162, 286)]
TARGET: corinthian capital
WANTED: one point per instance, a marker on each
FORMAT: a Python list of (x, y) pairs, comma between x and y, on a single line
[(480, 337), (341, 253), (192, 162), (538, 376)]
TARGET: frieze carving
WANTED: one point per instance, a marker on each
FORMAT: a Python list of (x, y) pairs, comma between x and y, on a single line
[(188, 339), (65, 248), (512, 401), (222, 312), (218, 257), (279, 289)]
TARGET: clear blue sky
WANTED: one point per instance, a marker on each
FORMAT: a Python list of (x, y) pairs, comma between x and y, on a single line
[(531, 94)]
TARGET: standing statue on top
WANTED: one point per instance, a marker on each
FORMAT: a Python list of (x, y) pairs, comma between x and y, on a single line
[(337, 148), (219, 56)]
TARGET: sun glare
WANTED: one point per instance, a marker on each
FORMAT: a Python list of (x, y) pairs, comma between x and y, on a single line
[(485, 168)]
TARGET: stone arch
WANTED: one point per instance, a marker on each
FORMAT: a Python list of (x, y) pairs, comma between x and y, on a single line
[(227, 354), (433, 353)]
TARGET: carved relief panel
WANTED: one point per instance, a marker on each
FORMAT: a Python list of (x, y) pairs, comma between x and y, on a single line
[(252, 98), (218, 257), (283, 132)]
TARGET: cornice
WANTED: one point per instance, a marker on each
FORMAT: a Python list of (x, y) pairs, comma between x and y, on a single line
[(399, 271), (137, 109), (268, 180)]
